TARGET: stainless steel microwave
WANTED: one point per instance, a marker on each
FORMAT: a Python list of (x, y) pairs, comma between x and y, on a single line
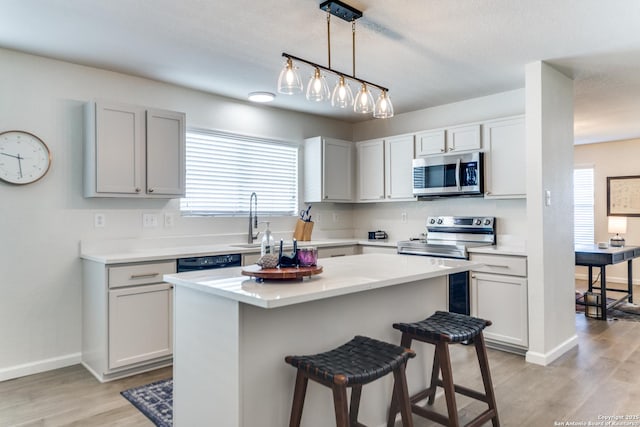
[(449, 175)]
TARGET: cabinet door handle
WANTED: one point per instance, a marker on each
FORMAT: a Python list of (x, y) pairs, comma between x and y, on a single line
[(151, 190), (143, 276), (496, 265), (473, 276), (138, 190)]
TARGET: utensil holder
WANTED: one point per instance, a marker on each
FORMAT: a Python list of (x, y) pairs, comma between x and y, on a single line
[(303, 231)]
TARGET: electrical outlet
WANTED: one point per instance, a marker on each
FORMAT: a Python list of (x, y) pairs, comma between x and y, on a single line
[(169, 220), (403, 217), (149, 220), (317, 218), (335, 217), (99, 220)]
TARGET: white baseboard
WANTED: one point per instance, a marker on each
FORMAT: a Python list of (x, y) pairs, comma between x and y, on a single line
[(546, 358), (39, 366)]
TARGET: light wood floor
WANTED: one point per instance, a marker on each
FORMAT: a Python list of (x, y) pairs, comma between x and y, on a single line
[(599, 377)]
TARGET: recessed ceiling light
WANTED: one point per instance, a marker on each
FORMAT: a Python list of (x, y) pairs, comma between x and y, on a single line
[(261, 97)]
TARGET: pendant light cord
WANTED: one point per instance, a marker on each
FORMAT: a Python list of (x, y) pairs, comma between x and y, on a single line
[(329, 37), (353, 45)]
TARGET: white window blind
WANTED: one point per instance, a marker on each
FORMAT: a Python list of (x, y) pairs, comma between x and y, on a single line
[(583, 206), (223, 169)]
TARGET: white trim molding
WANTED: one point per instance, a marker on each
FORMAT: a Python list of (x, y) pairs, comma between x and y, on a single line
[(546, 359), (39, 366)]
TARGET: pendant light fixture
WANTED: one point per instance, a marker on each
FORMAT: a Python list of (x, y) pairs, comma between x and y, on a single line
[(317, 89), (289, 81), (364, 100), (342, 97), (383, 108)]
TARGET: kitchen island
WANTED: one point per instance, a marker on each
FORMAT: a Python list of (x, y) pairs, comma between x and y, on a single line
[(231, 335)]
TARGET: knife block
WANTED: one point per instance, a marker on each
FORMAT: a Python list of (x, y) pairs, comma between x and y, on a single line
[(303, 231)]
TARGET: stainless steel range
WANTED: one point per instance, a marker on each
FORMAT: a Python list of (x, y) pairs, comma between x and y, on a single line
[(451, 236)]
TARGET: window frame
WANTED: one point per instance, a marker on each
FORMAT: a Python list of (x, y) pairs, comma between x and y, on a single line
[(248, 139), (578, 206)]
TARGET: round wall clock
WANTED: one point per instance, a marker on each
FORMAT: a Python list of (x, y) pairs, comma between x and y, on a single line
[(24, 158)]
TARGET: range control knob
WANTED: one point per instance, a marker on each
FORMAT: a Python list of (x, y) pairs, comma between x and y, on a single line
[(487, 221), (478, 221), (439, 220), (432, 221)]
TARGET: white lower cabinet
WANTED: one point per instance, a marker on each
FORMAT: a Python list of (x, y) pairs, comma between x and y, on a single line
[(127, 318), (140, 324), (335, 251), (499, 294)]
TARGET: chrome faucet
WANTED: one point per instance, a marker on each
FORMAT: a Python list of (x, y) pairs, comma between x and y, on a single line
[(253, 217)]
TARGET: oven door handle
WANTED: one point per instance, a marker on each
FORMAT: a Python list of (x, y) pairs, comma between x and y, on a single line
[(458, 174)]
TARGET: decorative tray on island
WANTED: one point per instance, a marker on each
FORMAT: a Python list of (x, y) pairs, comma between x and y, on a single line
[(283, 273)]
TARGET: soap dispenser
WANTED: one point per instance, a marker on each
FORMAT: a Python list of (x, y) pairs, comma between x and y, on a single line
[(268, 244)]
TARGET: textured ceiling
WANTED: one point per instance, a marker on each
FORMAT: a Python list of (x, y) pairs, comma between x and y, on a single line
[(427, 52)]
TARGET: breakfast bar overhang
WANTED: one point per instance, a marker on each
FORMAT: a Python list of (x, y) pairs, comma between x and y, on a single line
[(231, 335)]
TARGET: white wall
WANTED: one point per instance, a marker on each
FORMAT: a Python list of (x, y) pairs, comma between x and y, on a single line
[(42, 224), (618, 158)]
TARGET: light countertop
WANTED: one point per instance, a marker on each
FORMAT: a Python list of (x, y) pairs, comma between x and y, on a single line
[(186, 250), (340, 276)]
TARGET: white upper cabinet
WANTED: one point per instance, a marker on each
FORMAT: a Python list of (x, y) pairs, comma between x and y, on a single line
[(505, 158), (454, 139), (165, 152), (328, 170), (385, 169), (398, 158), (132, 151), (371, 165)]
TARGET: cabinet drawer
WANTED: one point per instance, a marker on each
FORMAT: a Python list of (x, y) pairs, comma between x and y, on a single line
[(139, 274), (501, 264), (336, 251)]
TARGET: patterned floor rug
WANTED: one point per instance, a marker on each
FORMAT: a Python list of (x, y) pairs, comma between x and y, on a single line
[(154, 400), (622, 311)]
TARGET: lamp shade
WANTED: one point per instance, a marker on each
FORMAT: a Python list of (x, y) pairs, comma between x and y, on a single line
[(617, 224)]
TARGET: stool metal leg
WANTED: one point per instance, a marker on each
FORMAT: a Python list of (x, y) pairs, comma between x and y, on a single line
[(340, 405), (299, 394), (483, 361)]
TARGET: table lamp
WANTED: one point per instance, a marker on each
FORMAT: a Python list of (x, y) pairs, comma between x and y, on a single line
[(617, 225)]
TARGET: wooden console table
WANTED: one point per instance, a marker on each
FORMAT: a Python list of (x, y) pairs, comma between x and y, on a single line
[(592, 256)]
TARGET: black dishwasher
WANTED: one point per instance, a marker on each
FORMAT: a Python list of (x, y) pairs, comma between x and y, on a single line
[(209, 262)]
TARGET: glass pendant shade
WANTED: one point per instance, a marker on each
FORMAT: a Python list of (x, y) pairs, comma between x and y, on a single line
[(289, 80), (317, 89), (364, 101), (383, 108), (342, 97)]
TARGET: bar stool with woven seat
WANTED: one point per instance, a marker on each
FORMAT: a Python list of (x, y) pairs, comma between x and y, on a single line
[(354, 364), (441, 329)]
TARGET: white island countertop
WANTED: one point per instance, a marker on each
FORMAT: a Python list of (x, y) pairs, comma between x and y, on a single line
[(340, 276)]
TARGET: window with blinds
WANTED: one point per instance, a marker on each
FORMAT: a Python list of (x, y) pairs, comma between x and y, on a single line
[(223, 169), (583, 206)]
